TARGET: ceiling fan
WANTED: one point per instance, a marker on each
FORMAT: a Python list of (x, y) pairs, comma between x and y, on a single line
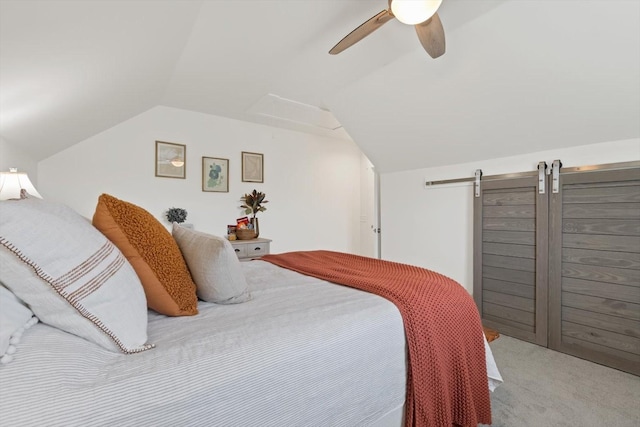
[(420, 13)]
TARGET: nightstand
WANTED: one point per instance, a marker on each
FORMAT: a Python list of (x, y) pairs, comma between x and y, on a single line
[(250, 249)]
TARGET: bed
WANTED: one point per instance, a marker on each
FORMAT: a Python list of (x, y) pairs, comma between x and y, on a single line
[(300, 351)]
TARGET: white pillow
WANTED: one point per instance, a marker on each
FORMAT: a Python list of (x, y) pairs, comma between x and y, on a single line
[(214, 266), (15, 318), (71, 276)]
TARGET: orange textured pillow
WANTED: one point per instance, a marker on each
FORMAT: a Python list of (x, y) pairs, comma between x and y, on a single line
[(152, 252)]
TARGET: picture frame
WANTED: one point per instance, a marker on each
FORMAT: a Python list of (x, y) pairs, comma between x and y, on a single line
[(252, 167), (171, 160), (215, 174)]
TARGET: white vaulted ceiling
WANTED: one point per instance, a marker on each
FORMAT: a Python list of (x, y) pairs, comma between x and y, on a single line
[(518, 75)]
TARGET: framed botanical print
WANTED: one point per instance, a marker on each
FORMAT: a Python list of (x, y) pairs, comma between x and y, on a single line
[(171, 160), (252, 167), (215, 174)]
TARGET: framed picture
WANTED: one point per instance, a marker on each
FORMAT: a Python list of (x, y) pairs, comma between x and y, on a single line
[(252, 167), (171, 160), (215, 174)]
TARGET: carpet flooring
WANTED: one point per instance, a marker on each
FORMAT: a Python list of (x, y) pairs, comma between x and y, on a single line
[(543, 387)]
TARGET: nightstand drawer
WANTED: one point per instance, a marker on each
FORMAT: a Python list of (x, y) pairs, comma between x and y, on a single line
[(246, 250), (241, 250), (257, 249)]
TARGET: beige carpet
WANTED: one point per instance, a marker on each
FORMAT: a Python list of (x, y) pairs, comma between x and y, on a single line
[(543, 387)]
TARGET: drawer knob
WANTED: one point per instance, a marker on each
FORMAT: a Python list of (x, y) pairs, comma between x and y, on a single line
[(257, 249), (237, 250)]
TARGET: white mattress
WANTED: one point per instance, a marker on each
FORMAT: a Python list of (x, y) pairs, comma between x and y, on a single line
[(302, 352)]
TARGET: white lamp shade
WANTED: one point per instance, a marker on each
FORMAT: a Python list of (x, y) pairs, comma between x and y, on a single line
[(413, 12), (12, 182)]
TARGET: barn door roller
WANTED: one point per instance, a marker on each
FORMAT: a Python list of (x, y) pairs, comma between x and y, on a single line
[(555, 175), (542, 171), (477, 185)]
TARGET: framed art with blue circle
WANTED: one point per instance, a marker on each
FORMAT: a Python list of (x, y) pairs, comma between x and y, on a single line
[(215, 174)]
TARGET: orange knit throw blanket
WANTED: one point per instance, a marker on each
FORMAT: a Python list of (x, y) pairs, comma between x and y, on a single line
[(446, 375)]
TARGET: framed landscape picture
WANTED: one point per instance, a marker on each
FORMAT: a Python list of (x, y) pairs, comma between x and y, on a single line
[(215, 174), (171, 160), (252, 167)]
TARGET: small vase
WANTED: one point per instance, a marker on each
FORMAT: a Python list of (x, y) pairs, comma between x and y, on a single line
[(256, 226)]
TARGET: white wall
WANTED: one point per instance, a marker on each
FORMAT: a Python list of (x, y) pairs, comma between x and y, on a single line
[(12, 156), (433, 227), (312, 182)]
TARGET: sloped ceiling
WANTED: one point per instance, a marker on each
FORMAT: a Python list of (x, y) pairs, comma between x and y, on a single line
[(529, 76), (518, 76)]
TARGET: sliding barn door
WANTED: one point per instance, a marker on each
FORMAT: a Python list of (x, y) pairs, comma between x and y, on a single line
[(510, 257), (594, 305)]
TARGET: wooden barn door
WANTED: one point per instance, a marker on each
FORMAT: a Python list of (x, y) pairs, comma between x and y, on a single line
[(594, 302), (510, 257)]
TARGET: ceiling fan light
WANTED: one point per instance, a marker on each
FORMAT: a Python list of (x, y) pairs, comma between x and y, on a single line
[(413, 12)]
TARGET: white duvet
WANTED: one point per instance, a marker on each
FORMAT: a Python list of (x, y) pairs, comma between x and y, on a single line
[(301, 352)]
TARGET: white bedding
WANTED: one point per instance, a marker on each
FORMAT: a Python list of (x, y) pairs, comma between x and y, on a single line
[(302, 352)]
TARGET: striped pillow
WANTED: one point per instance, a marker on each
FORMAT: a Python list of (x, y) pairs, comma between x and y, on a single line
[(70, 275)]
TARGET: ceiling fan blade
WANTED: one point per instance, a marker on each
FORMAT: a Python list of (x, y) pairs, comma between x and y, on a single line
[(362, 31), (431, 35)]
